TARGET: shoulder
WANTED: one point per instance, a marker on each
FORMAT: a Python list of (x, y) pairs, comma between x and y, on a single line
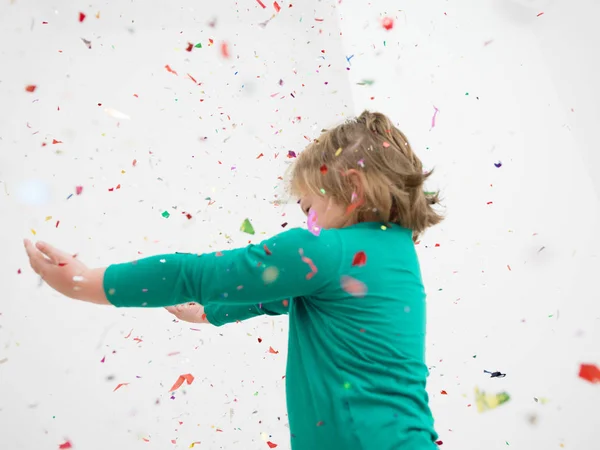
[(328, 242)]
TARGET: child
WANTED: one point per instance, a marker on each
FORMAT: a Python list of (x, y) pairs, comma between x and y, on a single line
[(351, 285)]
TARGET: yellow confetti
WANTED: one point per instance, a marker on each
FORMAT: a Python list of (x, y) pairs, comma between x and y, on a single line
[(48, 218), (339, 150), (33, 231), (270, 274), (383, 227), (485, 402)]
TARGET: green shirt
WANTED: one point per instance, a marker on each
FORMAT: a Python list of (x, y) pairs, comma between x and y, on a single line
[(356, 368)]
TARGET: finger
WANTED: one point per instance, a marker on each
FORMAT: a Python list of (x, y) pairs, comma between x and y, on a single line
[(57, 256), (171, 309), (36, 259)]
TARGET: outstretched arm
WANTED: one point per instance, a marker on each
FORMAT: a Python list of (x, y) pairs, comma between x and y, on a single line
[(219, 315), (291, 264)]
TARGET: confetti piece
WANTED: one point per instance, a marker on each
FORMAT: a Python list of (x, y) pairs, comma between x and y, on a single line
[(276, 6), (540, 14), (338, 151), (166, 214), (360, 259), (310, 263), (291, 154), (87, 43), (120, 385), (386, 144), (273, 351), (194, 443), (438, 442), (247, 227), (189, 47), (31, 88), (224, 50), (78, 190), (312, 223), (261, 4), (81, 17), (434, 117), (170, 70), (65, 446), (590, 372), (116, 114), (270, 275), (353, 286), (387, 23), (323, 169), (495, 374), (486, 402), (271, 444), (366, 82), (498, 164), (189, 378)]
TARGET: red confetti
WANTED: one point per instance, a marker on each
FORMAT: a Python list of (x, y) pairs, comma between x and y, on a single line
[(540, 14), (129, 335), (323, 169), (57, 222), (444, 393), (261, 4), (189, 378), (439, 442), (271, 444), (170, 70), (276, 6), (260, 156), (19, 271), (272, 350), (81, 17), (189, 47), (54, 141), (259, 340), (119, 386), (286, 303), (267, 251), (224, 50), (353, 287), (65, 446), (31, 88), (78, 190), (360, 259), (590, 372), (388, 23)]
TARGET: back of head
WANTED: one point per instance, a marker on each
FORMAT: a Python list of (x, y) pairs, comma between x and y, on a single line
[(391, 175)]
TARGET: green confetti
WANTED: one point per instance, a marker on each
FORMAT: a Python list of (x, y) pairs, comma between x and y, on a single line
[(198, 45), (247, 227), (366, 83), (347, 385), (166, 214)]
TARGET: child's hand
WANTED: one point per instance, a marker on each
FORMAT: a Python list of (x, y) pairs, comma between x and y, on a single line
[(189, 312), (60, 270)]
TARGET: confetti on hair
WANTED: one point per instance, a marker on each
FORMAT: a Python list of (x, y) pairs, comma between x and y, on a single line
[(386, 144), (338, 151), (247, 227), (312, 223), (188, 378), (310, 263), (120, 385), (323, 169), (434, 117), (486, 402), (360, 259), (353, 286), (65, 446), (387, 23), (31, 88), (170, 70), (590, 372)]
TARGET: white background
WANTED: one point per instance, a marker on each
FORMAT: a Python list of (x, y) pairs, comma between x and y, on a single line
[(511, 85)]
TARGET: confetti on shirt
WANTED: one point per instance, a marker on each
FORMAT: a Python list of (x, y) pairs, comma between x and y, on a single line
[(312, 223), (360, 259), (247, 227), (590, 372), (353, 286), (188, 378)]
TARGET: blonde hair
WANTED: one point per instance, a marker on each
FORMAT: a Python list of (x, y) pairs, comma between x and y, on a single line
[(391, 175)]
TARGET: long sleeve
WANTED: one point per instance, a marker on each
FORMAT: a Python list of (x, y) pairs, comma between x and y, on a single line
[(219, 314), (291, 264)]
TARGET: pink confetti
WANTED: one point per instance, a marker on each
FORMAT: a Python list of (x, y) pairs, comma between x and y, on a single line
[(261, 4), (312, 223), (310, 263), (353, 287), (65, 446), (433, 118)]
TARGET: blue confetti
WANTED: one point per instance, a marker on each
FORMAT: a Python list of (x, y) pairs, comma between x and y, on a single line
[(498, 164)]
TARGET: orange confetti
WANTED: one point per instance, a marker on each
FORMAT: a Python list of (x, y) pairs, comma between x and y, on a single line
[(170, 70), (590, 372), (54, 141), (444, 393), (273, 351), (119, 386), (189, 378), (31, 88), (310, 263)]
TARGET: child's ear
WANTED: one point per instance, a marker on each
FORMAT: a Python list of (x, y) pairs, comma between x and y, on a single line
[(357, 180)]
